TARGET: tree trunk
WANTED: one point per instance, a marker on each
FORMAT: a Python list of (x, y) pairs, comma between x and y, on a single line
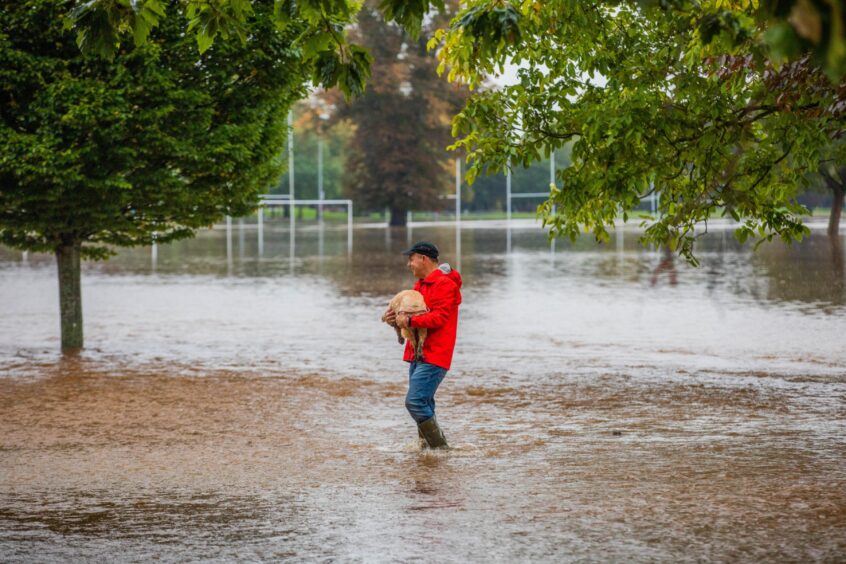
[(836, 209), (398, 216), (70, 296)]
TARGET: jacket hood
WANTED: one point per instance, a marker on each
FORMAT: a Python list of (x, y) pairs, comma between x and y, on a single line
[(442, 272), (451, 273), (455, 277)]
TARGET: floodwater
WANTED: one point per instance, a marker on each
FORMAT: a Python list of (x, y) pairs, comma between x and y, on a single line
[(606, 403)]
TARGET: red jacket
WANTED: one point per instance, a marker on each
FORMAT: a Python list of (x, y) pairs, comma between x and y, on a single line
[(442, 295)]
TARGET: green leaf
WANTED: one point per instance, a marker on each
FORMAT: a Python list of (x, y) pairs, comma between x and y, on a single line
[(204, 41)]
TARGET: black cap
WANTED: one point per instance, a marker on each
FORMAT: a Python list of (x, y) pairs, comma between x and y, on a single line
[(424, 248)]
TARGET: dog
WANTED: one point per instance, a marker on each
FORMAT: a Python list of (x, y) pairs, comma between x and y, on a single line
[(409, 302)]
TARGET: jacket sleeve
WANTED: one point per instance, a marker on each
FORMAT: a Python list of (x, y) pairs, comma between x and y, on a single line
[(442, 301)]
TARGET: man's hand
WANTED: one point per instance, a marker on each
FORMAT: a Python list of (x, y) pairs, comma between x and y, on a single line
[(390, 317)]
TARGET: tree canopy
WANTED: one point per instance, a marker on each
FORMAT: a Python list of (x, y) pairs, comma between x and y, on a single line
[(793, 27), (651, 102), (396, 157), (720, 105), (149, 146)]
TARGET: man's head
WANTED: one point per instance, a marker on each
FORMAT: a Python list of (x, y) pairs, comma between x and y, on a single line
[(422, 259)]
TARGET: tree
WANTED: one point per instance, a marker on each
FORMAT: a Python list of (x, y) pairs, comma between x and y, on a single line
[(684, 98), (796, 28), (396, 157), (835, 179), (145, 148), (488, 33), (793, 27), (315, 30)]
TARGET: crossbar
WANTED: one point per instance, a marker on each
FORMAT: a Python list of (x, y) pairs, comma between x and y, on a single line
[(270, 200), (273, 202)]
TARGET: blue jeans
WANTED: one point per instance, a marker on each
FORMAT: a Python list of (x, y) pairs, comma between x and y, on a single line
[(423, 382)]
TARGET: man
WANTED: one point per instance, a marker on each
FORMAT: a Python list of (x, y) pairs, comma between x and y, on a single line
[(440, 287)]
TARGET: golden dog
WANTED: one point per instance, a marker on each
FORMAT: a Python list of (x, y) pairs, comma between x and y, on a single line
[(409, 302)]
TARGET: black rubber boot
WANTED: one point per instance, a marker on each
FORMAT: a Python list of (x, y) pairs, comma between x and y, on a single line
[(421, 439), (432, 433)]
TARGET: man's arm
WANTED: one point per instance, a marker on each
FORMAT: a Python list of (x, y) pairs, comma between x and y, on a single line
[(442, 301)]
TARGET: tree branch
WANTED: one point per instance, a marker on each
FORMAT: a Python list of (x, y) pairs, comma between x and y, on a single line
[(770, 167)]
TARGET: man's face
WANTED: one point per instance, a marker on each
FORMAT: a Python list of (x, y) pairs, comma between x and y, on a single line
[(418, 264)]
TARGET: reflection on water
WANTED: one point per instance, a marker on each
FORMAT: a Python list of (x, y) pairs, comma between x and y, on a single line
[(606, 403)]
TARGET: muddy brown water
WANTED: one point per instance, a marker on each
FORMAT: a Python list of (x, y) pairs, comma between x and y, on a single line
[(606, 404)]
